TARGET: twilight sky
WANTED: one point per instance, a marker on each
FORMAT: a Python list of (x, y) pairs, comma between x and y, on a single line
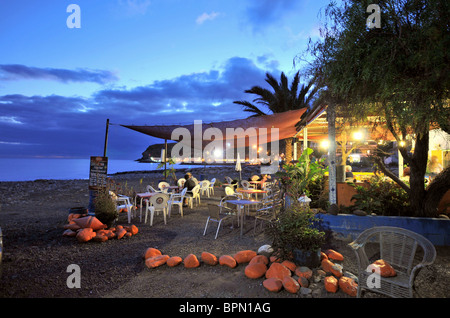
[(146, 62)]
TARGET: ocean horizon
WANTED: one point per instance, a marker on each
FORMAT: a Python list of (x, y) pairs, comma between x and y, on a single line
[(30, 169)]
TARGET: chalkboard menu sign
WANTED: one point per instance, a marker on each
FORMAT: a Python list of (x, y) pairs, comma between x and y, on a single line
[(98, 172)]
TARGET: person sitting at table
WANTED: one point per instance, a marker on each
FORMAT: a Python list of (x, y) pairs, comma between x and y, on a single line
[(348, 173), (189, 184)]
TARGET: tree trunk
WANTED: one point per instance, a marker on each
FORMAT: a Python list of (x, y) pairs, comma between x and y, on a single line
[(288, 154), (435, 191), (418, 168)]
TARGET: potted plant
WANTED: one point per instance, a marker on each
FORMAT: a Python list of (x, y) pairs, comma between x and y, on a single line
[(105, 207), (296, 235), (296, 179)]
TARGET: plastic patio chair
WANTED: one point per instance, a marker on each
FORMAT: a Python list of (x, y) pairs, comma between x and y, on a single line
[(157, 203), (195, 196), (177, 199), (397, 247), (164, 186), (211, 186), (122, 202), (181, 182), (215, 215), (204, 187)]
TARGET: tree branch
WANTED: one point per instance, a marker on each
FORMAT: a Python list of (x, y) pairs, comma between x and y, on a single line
[(388, 173)]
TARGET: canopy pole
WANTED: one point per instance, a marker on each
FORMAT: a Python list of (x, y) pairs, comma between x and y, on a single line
[(165, 159), (106, 138), (331, 118)]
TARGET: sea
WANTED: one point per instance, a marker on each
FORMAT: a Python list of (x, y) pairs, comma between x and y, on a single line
[(66, 169)]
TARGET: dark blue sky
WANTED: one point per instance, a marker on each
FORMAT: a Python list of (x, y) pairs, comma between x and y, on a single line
[(136, 62)]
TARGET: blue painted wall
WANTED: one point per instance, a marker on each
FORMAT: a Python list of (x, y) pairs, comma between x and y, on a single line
[(350, 226)]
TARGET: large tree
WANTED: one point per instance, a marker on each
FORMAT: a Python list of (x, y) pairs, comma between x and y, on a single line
[(283, 97), (399, 70)]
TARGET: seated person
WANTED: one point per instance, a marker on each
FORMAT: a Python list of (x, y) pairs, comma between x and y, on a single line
[(189, 184), (348, 173)]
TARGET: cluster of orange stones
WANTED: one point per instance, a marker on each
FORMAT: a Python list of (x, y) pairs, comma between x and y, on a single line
[(88, 228), (278, 273)]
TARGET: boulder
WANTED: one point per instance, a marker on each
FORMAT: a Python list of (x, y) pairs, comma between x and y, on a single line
[(336, 270), (348, 286), (209, 258), (273, 284), (289, 264), (174, 261), (227, 260), (326, 265), (303, 271), (255, 270), (332, 254), (359, 213), (156, 261), (383, 268), (244, 256), (85, 235), (150, 252), (265, 250), (260, 259), (191, 261), (290, 284), (278, 270), (331, 284), (304, 282)]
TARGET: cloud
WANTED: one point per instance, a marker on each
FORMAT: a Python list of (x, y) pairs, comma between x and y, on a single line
[(206, 16), (261, 14), (135, 7), (57, 125), (18, 71)]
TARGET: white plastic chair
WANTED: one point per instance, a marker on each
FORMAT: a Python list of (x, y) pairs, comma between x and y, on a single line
[(164, 186), (151, 189), (122, 202), (195, 196), (205, 187), (157, 203), (211, 186), (177, 199), (230, 191)]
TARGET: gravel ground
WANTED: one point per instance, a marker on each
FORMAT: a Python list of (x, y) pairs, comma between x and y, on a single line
[(36, 255)]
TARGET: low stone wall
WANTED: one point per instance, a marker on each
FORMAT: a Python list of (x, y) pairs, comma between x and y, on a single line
[(349, 226)]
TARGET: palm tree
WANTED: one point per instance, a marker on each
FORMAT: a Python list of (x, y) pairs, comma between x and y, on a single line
[(283, 98)]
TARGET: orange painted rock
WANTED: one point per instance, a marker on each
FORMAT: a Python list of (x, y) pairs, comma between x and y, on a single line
[(99, 237), (290, 284), (275, 259), (278, 271), (303, 271), (156, 261), (326, 265), (174, 261), (209, 258), (331, 284), (289, 264), (255, 270), (110, 234), (273, 284), (244, 256), (382, 268), (132, 229), (227, 260), (304, 282), (260, 259), (85, 235), (69, 233), (120, 233), (72, 226), (150, 252), (89, 222), (348, 286), (191, 261), (323, 256), (332, 254), (336, 270)]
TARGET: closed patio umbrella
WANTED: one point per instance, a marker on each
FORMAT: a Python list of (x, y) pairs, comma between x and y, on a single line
[(238, 166)]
